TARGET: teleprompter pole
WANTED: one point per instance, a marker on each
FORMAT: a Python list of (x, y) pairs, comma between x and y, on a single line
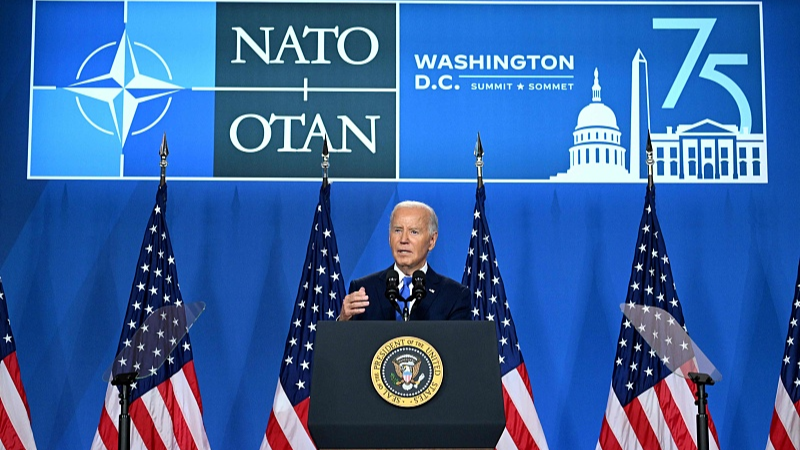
[(701, 380), (124, 381)]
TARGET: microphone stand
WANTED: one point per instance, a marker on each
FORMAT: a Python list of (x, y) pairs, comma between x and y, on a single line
[(406, 312)]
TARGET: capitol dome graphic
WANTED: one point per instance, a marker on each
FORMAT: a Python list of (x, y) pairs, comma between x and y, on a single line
[(596, 154)]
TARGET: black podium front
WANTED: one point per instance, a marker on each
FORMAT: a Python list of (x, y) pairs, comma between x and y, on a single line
[(346, 410)]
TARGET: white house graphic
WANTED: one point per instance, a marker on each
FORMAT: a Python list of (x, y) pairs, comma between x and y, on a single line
[(709, 151)]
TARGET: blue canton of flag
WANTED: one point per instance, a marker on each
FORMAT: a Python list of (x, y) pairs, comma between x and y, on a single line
[(784, 432), (650, 407), (15, 415), (489, 302), (165, 401), (318, 298)]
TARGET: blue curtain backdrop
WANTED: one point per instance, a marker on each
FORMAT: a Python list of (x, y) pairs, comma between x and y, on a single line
[(68, 251)]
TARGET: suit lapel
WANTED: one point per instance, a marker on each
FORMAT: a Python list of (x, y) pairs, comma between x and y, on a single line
[(432, 280)]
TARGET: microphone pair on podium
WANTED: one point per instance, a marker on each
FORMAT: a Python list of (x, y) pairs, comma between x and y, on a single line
[(393, 291)]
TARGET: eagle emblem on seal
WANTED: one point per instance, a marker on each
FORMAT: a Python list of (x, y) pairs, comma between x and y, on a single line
[(407, 369)]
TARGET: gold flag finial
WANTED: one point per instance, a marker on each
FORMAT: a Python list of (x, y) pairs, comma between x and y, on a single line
[(478, 152), (325, 162), (164, 152)]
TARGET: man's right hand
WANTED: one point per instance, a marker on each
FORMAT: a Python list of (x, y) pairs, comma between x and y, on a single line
[(354, 303)]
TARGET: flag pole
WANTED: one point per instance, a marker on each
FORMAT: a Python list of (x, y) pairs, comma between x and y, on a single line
[(701, 380), (478, 152), (124, 381), (650, 161), (325, 163)]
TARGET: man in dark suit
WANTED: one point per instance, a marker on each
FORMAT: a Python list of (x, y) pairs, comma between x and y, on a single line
[(413, 230)]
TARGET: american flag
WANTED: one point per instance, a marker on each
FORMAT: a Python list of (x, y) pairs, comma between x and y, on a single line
[(318, 298), (166, 410), (15, 416), (650, 407), (784, 432), (482, 276)]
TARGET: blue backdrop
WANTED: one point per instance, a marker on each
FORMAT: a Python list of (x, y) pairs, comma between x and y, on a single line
[(68, 251)]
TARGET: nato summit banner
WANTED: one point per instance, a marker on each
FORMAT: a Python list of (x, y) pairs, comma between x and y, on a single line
[(242, 89), (565, 92)]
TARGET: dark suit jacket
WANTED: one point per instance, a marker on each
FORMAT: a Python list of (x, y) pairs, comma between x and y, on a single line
[(446, 298)]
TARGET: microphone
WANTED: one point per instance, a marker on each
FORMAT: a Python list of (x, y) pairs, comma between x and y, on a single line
[(418, 291), (392, 284), (393, 292)]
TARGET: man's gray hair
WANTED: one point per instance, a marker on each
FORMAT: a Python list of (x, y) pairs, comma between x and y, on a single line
[(433, 221)]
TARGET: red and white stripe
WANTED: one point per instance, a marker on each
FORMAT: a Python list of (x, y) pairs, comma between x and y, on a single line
[(287, 427), (15, 419), (784, 432), (169, 416), (523, 429), (661, 418)]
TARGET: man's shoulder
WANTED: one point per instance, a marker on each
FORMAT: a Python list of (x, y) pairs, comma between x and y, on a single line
[(370, 278), (446, 282), (450, 283)]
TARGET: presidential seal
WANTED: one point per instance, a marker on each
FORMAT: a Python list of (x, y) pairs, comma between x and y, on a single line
[(407, 371)]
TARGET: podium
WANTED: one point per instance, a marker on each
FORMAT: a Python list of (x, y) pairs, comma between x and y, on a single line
[(347, 411)]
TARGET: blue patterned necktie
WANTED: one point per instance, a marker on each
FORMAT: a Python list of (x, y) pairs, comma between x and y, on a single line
[(405, 292)]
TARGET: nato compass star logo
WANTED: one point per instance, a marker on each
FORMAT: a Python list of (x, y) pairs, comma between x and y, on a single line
[(124, 88)]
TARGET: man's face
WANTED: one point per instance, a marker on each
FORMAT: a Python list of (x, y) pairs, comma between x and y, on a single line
[(410, 238)]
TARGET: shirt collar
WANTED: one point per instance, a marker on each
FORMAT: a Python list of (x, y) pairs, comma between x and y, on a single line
[(402, 275)]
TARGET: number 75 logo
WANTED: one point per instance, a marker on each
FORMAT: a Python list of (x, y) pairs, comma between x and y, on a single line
[(709, 70)]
